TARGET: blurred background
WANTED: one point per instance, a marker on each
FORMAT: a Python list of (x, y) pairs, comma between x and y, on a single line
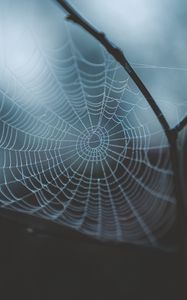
[(41, 261)]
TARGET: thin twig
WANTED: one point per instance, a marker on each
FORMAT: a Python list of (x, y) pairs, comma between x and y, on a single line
[(119, 56), (181, 125)]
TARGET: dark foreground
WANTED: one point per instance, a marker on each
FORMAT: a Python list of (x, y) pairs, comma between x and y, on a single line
[(39, 267)]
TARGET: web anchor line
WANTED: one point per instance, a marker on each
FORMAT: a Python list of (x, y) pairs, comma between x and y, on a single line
[(171, 133)]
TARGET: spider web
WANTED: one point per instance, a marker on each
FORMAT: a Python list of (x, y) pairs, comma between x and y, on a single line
[(80, 146)]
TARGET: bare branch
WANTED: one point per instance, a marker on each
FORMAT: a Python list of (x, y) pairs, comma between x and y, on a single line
[(181, 125), (119, 56)]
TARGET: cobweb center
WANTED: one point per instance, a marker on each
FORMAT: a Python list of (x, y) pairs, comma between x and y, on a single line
[(94, 141)]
